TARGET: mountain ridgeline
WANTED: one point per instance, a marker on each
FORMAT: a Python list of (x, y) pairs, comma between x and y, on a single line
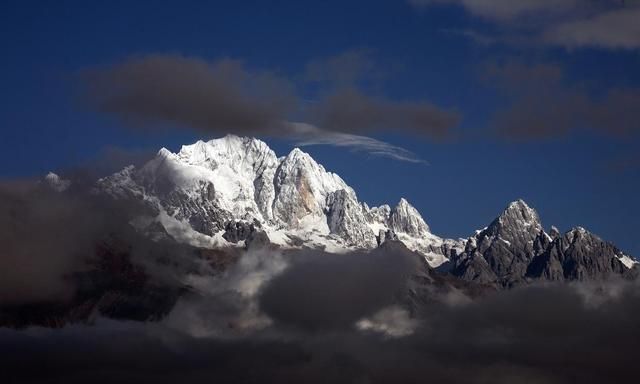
[(147, 234), (231, 191), (515, 249)]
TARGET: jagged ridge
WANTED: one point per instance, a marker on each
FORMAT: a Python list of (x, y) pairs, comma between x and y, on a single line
[(515, 249), (231, 183), (207, 185)]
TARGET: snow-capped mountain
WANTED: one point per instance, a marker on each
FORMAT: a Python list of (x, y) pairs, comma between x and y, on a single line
[(217, 193), (234, 190), (187, 217)]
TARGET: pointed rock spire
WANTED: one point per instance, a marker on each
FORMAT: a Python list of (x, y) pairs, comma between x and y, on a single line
[(406, 219), (518, 217)]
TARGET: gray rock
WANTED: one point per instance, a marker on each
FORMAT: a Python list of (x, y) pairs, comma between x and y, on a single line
[(384, 236), (405, 218), (514, 249), (578, 255), (236, 231), (346, 218), (257, 239)]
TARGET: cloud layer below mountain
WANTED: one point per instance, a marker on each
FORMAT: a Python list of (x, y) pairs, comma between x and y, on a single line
[(545, 334), (304, 316)]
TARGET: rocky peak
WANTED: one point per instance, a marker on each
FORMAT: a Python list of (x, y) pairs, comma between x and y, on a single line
[(405, 218), (517, 221), (387, 235), (302, 187), (346, 218), (515, 249), (578, 234)]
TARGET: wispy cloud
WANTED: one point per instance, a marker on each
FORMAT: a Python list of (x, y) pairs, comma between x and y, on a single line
[(307, 134)]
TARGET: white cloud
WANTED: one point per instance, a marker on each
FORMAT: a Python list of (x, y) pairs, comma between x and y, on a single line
[(307, 134), (391, 321)]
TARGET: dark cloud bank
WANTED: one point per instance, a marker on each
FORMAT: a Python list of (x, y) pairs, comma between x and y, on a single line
[(530, 335), (571, 24), (224, 96), (584, 333), (155, 92), (542, 104)]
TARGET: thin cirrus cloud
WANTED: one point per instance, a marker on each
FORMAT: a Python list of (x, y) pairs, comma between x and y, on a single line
[(567, 23), (307, 134), (224, 96)]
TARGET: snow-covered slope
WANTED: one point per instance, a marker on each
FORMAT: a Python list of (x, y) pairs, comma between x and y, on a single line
[(200, 190)]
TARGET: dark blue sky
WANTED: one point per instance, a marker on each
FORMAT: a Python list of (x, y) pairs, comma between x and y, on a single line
[(573, 170)]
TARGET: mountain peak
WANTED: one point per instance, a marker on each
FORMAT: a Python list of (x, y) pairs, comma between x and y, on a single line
[(164, 152), (517, 217), (405, 218), (297, 153), (520, 211), (579, 232), (403, 203), (518, 204)]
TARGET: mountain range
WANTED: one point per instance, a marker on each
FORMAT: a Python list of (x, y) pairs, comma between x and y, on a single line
[(190, 216), (222, 192)]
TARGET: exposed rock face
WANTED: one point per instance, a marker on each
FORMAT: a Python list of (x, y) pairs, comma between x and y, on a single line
[(387, 235), (251, 233), (236, 231), (514, 249), (578, 255), (404, 223), (406, 219), (346, 218), (199, 209), (507, 244), (257, 240), (302, 188)]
